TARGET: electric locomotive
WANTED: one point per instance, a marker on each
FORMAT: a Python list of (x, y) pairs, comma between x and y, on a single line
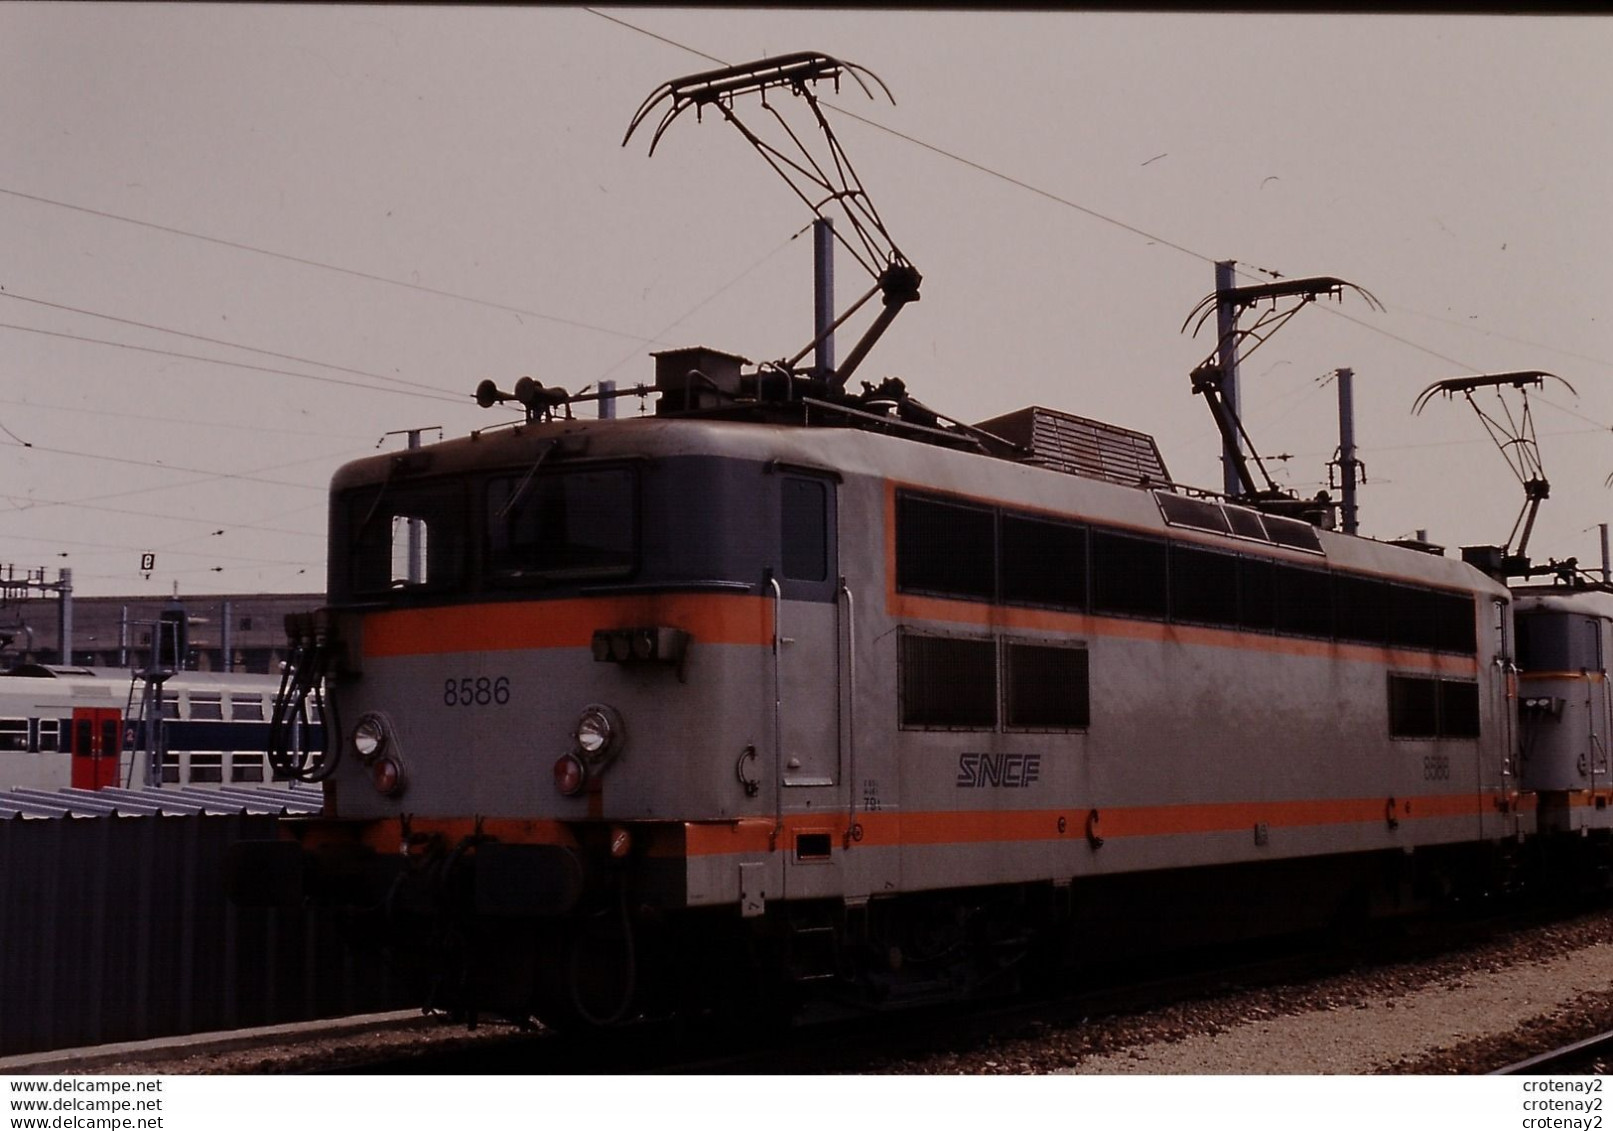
[(788, 689), (802, 690), (1565, 714)]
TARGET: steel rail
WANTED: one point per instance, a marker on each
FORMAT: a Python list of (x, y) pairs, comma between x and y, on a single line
[(1545, 1062)]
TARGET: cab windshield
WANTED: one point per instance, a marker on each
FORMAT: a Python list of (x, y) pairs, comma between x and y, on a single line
[(411, 537), (458, 536), (561, 525)]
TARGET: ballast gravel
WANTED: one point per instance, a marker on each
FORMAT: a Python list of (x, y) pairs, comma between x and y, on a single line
[(1470, 1011), (1377, 1032)]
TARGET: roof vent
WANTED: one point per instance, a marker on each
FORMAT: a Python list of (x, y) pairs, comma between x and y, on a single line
[(1080, 446)]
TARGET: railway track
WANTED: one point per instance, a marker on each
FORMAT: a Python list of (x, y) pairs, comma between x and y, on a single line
[(849, 1039), (954, 1037), (1109, 1015), (1591, 1055)]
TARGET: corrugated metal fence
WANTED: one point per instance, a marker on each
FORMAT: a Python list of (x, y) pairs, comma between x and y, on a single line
[(117, 927)]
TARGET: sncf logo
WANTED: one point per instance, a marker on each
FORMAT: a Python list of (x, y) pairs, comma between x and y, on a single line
[(1010, 771)]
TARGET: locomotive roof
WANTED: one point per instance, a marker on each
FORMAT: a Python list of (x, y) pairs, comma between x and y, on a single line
[(1587, 602), (519, 446), (860, 452)]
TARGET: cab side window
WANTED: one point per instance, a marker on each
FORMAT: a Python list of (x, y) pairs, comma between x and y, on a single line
[(806, 538), (804, 533)]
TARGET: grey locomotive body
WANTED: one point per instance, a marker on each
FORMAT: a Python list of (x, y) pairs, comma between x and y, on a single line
[(791, 686), (850, 701)]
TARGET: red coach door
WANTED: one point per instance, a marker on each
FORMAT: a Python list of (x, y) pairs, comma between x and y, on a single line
[(97, 746)]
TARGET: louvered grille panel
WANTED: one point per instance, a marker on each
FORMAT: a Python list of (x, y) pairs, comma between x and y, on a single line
[(1079, 446)]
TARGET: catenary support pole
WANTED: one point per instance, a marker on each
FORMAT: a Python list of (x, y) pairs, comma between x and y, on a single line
[(64, 616), (1226, 324), (823, 294), (1348, 466)]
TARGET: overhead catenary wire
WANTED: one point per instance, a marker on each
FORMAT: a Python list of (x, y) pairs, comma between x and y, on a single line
[(1469, 328), (708, 300), (306, 262), (84, 552), (76, 504), (1052, 196), (1069, 203), (108, 549), (436, 396), (200, 588), (230, 425), (975, 165), (28, 503), (389, 379), (131, 462), (25, 505), (437, 393)]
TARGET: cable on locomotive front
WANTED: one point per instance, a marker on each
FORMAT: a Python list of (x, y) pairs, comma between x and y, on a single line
[(291, 751)]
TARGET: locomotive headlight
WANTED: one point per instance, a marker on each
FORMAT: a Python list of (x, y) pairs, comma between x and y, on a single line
[(598, 732), (369, 738)]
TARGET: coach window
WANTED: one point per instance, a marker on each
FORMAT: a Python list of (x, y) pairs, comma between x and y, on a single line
[(206, 705), (13, 734), (50, 735)]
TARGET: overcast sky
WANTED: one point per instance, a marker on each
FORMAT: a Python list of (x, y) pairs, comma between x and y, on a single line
[(242, 244)]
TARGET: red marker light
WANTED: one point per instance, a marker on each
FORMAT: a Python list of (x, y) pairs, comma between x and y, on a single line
[(387, 777), (569, 775)]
